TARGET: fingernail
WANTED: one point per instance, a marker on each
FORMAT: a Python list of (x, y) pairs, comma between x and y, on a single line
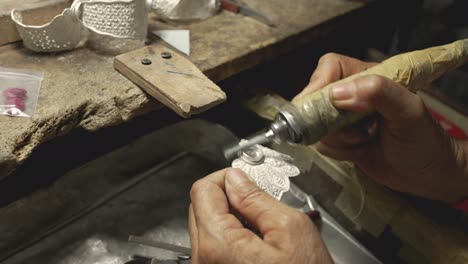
[(341, 91), (236, 178)]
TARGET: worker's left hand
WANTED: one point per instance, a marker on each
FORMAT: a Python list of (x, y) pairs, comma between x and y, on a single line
[(218, 236)]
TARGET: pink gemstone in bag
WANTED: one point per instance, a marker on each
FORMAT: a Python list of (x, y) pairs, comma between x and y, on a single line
[(15, 93), (18, 102)]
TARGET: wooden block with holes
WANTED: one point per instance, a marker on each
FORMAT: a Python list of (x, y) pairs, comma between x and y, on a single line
[(171, 78)]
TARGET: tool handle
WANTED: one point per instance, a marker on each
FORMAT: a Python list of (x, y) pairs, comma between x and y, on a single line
[(414, 70), (230, 6)]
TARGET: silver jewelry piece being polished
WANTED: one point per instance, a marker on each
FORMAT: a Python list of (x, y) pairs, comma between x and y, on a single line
[(115, 18), (269, 169)]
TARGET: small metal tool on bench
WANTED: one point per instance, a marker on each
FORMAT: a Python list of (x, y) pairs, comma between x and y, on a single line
[(236, 6), (159, 244), (183, 257), (308, 118)]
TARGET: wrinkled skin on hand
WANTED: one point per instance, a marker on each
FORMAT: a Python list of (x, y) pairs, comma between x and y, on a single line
[(218, 236), (401, 146)]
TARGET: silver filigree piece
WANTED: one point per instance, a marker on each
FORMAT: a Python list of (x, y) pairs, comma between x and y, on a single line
[(269, 169), (115, 18), (64, 32)]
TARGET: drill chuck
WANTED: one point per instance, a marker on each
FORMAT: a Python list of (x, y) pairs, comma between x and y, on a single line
[(287, 126)]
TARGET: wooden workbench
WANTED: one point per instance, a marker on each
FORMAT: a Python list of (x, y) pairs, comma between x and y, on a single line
[(82, 89)]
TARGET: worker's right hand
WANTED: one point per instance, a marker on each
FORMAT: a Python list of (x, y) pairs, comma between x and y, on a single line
[(402, 147)]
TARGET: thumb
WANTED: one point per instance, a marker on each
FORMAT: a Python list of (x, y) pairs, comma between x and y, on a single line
[(255, 205), (375, 93)]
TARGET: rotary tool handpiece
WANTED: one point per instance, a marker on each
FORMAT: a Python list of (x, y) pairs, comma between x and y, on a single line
[(313, 116)]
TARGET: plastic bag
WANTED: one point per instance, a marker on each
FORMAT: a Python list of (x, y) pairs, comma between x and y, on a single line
[(19, 92)]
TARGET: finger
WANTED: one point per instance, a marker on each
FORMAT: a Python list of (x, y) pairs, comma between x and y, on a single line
[(331, 68), (351, 153), (221, 236), (273, 219), (349, 136), (194, 237), (328, 70), (358, 133), (217, 178), (375, 93), (210, 204)]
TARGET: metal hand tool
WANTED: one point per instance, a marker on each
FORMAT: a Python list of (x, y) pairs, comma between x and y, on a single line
[(159, 244), (138, 259), (236, 6), (307, 119)]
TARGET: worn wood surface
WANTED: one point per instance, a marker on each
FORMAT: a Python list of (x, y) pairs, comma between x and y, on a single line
[(35, 12), (82, 89), (176, 81)]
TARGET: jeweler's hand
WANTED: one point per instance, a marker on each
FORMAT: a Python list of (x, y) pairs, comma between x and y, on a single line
[(218, 236), (402, 147)]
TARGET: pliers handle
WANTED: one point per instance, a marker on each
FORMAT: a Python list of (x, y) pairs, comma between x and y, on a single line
[(230, 5)]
